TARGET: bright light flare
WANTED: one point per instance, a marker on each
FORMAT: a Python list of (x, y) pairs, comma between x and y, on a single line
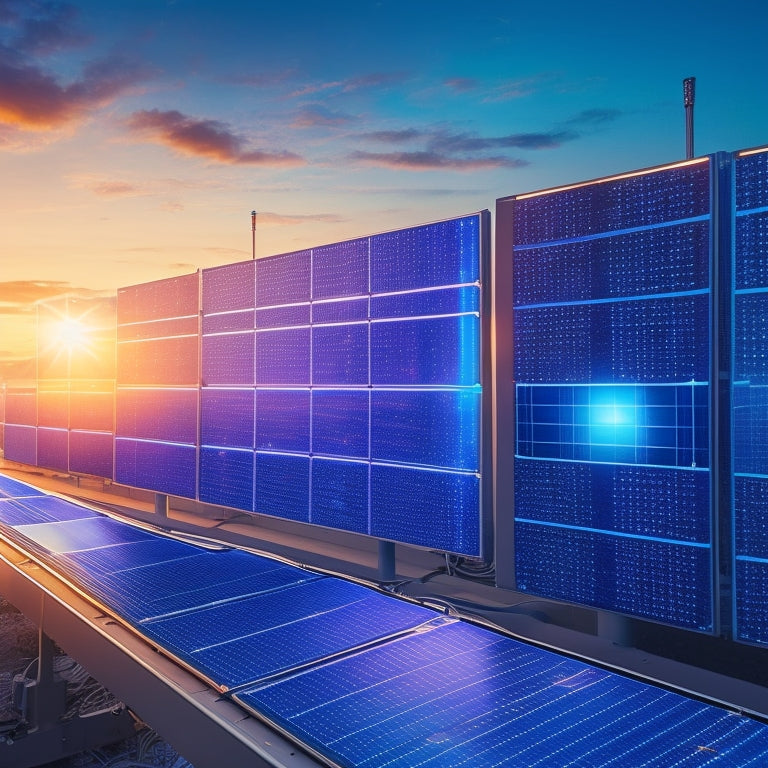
[(71, 333)]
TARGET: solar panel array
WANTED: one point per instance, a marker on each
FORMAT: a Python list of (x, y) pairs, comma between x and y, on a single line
[(362, 678), (157, 385), (750, 396), (611, 296), (342, 385), (64, 418)]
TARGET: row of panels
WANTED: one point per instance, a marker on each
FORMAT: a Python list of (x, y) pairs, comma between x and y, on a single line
[(361, 678), (348, 386)]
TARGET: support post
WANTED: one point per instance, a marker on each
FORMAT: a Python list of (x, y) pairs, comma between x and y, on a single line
[(387, 567), (161, 505)]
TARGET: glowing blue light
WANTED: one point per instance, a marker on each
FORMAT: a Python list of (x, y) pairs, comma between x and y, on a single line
[(613, 416)]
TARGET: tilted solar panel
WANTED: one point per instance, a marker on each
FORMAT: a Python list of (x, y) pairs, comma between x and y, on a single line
[(750, 395), (611, 289)]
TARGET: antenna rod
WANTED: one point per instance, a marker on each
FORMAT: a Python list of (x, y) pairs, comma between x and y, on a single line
[(689, 96), (253, 235)]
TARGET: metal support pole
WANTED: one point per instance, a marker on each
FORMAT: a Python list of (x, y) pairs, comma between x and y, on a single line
[(161, 505), (387, 568), (253, 235), (689, 96)]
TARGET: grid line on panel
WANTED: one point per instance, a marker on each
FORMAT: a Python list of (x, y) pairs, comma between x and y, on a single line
[(611, 233), (617, 534), (614, 299)]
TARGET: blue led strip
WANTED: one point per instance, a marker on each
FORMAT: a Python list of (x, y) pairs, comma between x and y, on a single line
[(343, 385), (750, 397), (612, 317)]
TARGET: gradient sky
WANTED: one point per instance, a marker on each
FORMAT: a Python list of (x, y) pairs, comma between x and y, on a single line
[(136, 137)]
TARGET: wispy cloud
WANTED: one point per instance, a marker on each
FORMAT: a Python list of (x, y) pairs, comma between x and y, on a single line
[(17, 297), (314, 115), (462, 84), (429, 160), (594, 118), (271, 219), (370, 81), (210, 139), (454, 150)]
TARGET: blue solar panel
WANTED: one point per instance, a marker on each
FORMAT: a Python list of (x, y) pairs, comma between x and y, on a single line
[(340, 354), (91, 453), (167, 414), (228, 359), (365, 679), (282, 485), (750, 396), (242, 642), (282, 420), (164, 467), (77, 534), (340, 494), (331, 327), (340, 420), (612, 355), (433, 351), (438, 428), (11, 488), (13, 512), (227, 417), (461, 695), (340, 269)]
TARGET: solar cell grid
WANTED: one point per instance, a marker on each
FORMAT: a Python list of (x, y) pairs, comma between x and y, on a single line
[(461, 695)]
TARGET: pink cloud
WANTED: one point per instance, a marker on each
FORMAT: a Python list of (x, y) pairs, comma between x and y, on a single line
[(210, 139)]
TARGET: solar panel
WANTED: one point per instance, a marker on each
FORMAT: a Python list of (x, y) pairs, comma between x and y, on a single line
[(363, 351), (458, 694), (157, 401), (240, 642), (363, 678), (611, 295), (750, 395)]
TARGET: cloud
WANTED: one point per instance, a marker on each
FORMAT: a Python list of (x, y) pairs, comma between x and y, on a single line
[(429, 160), (18, 296), (594, 118), (210, 139), (466, 142), (371, 81), (461, 84), (51, 27), (32, 99), (318, 115), (394, 137), (289, 219)]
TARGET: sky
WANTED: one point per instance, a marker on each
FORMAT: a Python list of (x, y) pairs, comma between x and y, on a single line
[(136, 137)]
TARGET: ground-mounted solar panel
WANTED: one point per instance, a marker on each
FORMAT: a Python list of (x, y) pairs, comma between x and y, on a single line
[(461, 695), (157, 397), (76, 385), (607, 343), (354, 378), (750, 395), (20, 428)]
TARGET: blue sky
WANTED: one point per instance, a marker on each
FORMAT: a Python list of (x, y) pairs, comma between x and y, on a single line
[(135, 137)]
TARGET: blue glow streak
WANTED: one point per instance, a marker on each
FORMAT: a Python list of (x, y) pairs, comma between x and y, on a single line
[(612, 233), (617, 534), (616, 300)]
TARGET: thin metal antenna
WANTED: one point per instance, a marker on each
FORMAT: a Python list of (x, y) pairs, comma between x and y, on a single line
[(253, 235), (689, 96)]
